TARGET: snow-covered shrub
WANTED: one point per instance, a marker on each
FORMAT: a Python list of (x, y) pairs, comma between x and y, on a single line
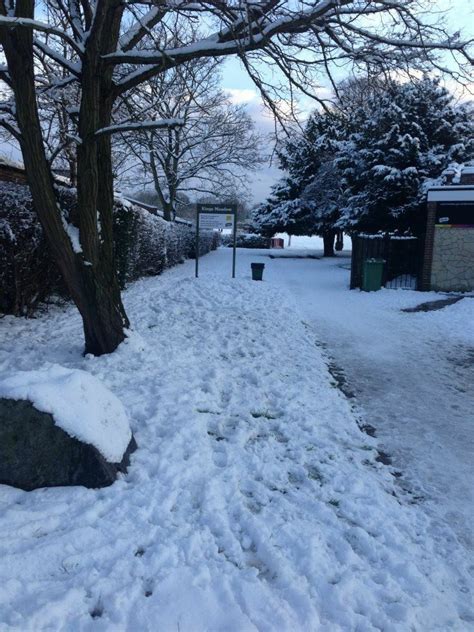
[(149, 253), (157, 244), (246, 240), (208, 240), (27, 273), (145, 245), (125, 239), (187, 241)]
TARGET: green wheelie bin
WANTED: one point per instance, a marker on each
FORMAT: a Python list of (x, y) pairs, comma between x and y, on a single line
[(372, 275)]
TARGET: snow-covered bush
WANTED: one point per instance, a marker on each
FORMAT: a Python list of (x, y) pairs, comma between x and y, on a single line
[(125, 238), (208, 240), (145, 245), (27, 274), (155, 244), (246, 240)]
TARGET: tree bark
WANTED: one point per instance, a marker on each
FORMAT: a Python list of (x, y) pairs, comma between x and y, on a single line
[(328, 241), (167, 212), (106, 318)]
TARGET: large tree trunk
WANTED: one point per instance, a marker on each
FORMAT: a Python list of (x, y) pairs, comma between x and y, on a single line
[(106, 319), (328, 241), (90, 275)]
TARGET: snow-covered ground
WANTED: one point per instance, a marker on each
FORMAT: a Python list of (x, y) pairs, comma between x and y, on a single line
[(412, 374), (254, 502)]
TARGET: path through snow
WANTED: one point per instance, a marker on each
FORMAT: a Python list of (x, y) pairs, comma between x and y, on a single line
[(413, 374)]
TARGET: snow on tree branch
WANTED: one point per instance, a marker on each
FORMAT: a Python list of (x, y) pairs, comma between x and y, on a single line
[(142, 125), (6, 123), (43, 27), (141, 28), (73, 68), (388, 33)]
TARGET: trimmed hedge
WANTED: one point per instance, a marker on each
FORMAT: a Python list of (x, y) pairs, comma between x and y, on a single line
[(27, 274), (145, 245), (246, 240)]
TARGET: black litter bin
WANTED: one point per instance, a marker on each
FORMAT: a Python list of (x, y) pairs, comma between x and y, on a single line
[(257, 271)]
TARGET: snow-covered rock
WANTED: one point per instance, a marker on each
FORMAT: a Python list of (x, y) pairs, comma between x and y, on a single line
[(79, 404), (61, 427)]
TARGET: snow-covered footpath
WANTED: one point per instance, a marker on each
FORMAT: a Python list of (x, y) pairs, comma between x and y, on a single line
[(253, 502)]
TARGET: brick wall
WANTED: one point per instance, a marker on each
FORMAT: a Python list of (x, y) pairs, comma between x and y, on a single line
[(452, 268)]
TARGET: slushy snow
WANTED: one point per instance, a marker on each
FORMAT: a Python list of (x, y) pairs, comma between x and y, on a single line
[(253, 502), (79, 404)]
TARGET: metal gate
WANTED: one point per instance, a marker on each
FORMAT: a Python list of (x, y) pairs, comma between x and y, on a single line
[(402, 256)]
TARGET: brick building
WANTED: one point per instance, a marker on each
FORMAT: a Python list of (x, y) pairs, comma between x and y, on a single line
[(448, 260)]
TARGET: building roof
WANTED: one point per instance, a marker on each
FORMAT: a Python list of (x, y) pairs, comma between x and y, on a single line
[(456, 193)]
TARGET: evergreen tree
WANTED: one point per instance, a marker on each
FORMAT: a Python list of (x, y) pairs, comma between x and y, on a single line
[(400, 138), (364, 166), (305, 158)]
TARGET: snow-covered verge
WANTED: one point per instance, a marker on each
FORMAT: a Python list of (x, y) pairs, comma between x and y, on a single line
[(253, 501), (79, 404)]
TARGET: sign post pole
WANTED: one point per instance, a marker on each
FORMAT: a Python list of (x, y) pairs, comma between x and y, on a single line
[(197, 244), (234, 245)]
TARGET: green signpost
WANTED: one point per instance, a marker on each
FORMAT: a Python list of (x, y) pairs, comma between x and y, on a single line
[(216, 217)]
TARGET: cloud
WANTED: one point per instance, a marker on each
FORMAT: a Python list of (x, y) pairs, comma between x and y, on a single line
[(260, 183), (242, 95)]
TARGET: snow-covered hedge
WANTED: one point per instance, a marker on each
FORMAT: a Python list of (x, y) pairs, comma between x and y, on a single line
[(246, 240), (27, 274), (145, 245)]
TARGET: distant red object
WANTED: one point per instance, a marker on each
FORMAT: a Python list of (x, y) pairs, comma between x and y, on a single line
[(276, 242)]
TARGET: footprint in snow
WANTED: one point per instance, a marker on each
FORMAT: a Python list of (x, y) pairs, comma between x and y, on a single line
[(279, 436), (148, 587), (220, 458), (254, 506), (295, 479), (98, 610), (216, 435), (314, 474)]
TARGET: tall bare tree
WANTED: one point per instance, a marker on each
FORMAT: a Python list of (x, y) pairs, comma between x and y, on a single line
[(213, 149), (111, 50)]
